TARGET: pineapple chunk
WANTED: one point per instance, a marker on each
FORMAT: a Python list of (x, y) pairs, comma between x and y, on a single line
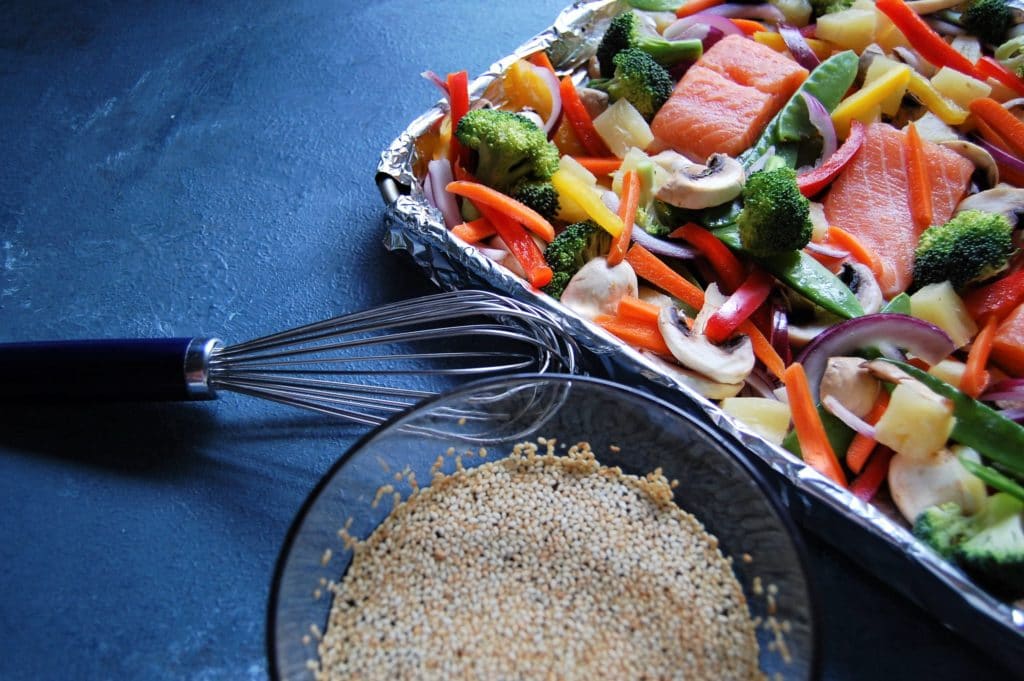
[(768, 418), (959, 87), (917, 422), (852, 29), (622, 127), (940, 305), (949, 370)]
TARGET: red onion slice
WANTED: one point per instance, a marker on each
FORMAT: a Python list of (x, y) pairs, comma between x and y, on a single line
[(551, 82), (662, 247), (855, 422), (999, 155), (920, 338), (1016, 415), (1011, 390), (827, 251), (440, 175), (821, 119), (436, 80), (740, 11), (780, 334), (676, 30), (761, 384), (798, 47)]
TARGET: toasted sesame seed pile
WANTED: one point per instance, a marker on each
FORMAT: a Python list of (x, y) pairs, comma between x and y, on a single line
[(539, 566)]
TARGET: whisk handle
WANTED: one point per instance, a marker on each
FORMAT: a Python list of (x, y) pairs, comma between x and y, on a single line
[(164, 369)]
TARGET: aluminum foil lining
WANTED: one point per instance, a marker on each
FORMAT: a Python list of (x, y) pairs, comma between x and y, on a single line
[(874, 536)]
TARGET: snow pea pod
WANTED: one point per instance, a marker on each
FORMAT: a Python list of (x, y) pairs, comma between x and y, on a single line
[(900, 304), (838, 433), (655, 5), (977, 425), (805, 275), (993, 478)]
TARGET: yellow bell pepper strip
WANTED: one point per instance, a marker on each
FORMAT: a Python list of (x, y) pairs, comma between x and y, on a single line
[(862, 104), (923, 39), (947, 110), (577, 191)]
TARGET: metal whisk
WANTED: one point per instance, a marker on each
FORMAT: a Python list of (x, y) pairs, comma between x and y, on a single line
[(459, 334)]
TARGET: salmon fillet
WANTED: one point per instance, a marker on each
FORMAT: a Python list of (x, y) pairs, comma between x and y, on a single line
[(870, 199), (749, 63), (709, 113)]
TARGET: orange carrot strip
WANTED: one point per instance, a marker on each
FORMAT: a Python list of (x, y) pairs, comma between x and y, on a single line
[(475, 230), (542, 60), (920, 184), (976, 378), (861, 446), (748, 26), (636, 333), (579, 119), (627, 213), (868, 483), (599, 166), (814, 444), (506, 205), (695, 6), (763, 349), (848, 242), (1001, 121), (648, 266), (522, 246), (641, 310)]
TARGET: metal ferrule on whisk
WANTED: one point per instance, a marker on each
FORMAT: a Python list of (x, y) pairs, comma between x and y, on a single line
[(198, 355)]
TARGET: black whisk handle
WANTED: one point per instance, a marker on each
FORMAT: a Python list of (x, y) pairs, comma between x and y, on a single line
[(121, 369)]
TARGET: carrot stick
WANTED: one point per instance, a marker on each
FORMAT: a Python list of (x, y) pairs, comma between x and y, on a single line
[(640, 310), (763, 349), (627, 213), (481, 194), (520, 244), (1001, 121), (975, 378), (636, 333), (579, 119), (648, 266), (695, 6), (848, 242), (920, 184), (866, 485), (728, 267), (748, 26), (814, 444), (542, 60), (599, 166), (861, 445), (474, 231)]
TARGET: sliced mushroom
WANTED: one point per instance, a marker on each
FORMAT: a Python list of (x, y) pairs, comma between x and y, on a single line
[(702, 385), (1003, 199), (594, 101), (918, 484), (847, 380), (596, 288), (976, 155), (692, 185), (887, 371), (730, 362)]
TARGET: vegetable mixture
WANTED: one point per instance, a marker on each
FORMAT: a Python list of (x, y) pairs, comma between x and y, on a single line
[(804, 209)]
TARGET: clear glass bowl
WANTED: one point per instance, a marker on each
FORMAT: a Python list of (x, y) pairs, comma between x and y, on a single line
[(716, 485)]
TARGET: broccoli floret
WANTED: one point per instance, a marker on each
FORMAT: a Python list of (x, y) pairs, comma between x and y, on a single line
[(822, 7), (650, 222), (970, 248), (626, 31), (987, 19), (540, 196), (942, 527), (776, 217), (570, 250), (994, 552), (639, 79), (510, 148), (1011, 55)]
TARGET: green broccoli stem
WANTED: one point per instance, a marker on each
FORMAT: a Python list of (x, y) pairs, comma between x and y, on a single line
[(671, 52)]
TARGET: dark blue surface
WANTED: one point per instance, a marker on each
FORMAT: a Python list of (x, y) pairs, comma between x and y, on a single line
[(172, 169)]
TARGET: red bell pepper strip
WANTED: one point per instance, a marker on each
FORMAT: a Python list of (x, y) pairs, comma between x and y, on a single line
[(999, 298), (458, 103), (867, 484), (739, 306), (579, 119), (727, 266), (923, 38), (522, 246), (813, 181), (988, 67)]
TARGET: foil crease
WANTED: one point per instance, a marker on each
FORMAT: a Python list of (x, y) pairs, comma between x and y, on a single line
[(875, 537)]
